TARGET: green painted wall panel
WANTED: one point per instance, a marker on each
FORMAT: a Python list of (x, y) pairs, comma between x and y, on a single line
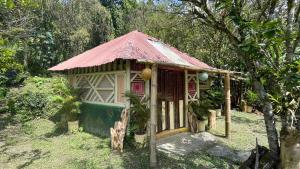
[(98, 119)]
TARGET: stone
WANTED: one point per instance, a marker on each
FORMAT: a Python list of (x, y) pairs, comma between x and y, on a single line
[(185, 143), (224, 151)]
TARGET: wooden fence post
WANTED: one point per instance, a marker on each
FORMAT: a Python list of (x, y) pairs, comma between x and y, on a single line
[(186, 98)]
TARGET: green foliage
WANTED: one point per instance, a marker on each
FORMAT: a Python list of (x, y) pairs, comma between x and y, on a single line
[(252, 98), (43, 98), (200, 108), (11, 72), (163, 20), (140, 112), (216, 95), (287, 101), (70, 107), (7, 61), (29, 106), (120, 11), (3, 92), (48, 32)]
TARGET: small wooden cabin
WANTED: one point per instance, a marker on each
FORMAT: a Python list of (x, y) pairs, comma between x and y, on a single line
[(105, 72)]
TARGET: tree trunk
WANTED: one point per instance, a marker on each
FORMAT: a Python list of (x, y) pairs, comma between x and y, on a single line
[(269, 120), (290, 148), (271, 128), (25, 59)]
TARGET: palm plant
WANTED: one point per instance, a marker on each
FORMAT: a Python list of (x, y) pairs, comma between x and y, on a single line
[(139, 111)]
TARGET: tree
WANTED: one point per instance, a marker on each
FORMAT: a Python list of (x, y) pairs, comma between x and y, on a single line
[(120, 10), (164, 20), (265, 35), (47, 32)]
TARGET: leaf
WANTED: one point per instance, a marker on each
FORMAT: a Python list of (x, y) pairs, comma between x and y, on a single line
[(10, 4)]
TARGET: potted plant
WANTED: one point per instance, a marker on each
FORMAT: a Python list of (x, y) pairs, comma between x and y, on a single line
[(251, 100), (201, 110), (139, 115)]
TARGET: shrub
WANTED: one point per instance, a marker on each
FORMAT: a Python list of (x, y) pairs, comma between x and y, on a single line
[(42, 98), (139, 112), (28, 106), (201, 108), (252, 97)]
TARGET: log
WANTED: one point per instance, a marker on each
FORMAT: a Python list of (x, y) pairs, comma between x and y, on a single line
[(212, 122), (192, 121), (117, 133)]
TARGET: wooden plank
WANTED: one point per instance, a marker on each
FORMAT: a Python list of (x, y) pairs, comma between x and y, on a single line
[(186, 95), (109, 67), (197, 86), (114, 65), (147, 89), (163, 115), (159, 110), (168, 133), (172, 118), (181, 113), (116, 89), (104, 67), (121, 67)]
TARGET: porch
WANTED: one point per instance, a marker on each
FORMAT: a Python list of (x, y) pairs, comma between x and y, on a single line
[(172, 89)]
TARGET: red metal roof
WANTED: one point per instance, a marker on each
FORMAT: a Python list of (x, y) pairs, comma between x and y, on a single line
[(134, 45)]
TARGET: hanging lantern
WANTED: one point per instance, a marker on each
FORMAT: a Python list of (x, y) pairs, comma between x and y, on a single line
[(146, 73), (203, 76)]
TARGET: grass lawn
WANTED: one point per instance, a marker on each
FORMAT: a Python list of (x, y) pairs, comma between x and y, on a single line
[(30, 146), (245, 128)]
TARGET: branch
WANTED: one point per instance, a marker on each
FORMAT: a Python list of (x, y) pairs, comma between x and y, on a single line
[(297, 14), (264, 9), (272, 7), (297, 40), (289, 29), (210, 20)]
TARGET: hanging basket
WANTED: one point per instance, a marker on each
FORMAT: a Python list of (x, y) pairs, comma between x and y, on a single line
[(146, 73)]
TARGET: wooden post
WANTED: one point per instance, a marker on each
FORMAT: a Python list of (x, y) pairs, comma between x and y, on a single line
[(127, 88), (127, 81), (153, 117), (227, 105), (186, 97), (147, 93)]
